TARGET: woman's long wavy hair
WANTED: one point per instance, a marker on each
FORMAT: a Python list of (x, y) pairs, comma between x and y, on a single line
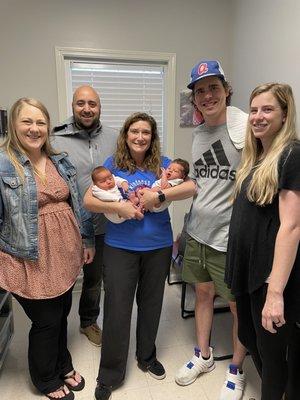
[(122, 156), (264, 183), (12, 144)]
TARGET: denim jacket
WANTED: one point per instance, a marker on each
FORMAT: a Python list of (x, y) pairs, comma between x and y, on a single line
[(19, 206)]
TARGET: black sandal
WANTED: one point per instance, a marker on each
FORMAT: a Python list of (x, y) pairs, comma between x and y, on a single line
[(80, 385), (69, 396)]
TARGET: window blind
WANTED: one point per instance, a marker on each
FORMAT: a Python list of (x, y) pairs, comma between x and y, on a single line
[(124, 88)]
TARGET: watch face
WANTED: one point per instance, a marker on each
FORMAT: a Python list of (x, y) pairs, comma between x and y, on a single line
[(161, 197)]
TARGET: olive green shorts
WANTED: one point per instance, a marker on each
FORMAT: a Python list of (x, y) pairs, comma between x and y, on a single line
[(202, 263)]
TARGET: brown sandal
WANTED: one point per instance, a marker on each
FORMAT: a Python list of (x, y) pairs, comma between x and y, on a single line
[(80, 385)]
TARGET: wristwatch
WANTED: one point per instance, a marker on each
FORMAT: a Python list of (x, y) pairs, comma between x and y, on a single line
[(161, 196)]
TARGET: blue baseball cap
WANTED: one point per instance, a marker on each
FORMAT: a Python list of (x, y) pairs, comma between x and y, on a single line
[(204, 69)]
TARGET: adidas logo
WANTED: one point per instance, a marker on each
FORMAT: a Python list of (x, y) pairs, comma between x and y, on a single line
[(213, 161)]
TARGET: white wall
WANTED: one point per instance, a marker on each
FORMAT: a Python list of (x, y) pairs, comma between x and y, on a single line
[(30, 29), (266, 42)]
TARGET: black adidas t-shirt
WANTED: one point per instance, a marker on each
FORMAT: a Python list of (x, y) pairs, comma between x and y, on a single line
[(252, 235)]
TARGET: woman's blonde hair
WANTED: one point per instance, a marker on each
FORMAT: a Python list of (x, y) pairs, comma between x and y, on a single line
[(122, 156), (264, 183), (12, 144)]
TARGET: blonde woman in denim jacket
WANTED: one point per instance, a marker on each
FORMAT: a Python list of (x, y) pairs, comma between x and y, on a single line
[(45, 237)]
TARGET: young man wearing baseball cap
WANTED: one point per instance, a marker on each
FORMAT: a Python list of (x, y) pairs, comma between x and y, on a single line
[(216, 152)]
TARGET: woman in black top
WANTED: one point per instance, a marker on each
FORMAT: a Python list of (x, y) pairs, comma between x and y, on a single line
[(263, 259)]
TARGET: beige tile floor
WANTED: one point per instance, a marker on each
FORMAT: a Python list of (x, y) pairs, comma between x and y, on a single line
[(174, 347)]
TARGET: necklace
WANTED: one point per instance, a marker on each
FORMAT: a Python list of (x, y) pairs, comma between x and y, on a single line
[(41, 176), (39, 168)]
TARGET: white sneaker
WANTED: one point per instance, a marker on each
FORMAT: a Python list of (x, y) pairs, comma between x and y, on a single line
[(234, 384), (196, 366)]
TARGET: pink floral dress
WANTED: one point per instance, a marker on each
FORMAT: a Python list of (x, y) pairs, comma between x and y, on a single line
[(59, 242)]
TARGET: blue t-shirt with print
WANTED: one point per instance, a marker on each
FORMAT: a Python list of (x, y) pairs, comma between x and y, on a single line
[(153, 231)]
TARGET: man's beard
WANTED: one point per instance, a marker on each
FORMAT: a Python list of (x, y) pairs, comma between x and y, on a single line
[(94, 124)]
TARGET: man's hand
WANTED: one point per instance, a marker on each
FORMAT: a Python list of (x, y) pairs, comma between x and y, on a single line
[(88, 254)]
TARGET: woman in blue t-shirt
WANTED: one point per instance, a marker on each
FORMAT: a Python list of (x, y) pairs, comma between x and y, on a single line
[(137, 253)]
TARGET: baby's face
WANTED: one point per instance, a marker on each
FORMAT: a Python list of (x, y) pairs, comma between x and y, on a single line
[(174, 171), (105, 180)]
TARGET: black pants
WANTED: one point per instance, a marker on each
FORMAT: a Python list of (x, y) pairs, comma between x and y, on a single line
[(48, 356), (124, 273), (275, 355), (89, 304)]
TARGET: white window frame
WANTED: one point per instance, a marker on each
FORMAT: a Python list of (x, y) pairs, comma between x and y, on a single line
[(168, 59)]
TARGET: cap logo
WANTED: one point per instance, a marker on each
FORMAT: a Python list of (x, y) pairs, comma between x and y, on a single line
[(202, 69)]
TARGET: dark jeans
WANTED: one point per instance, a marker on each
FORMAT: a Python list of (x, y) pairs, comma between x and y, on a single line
[(275, 355), (48, 356), (89, 304), (126, 272)]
